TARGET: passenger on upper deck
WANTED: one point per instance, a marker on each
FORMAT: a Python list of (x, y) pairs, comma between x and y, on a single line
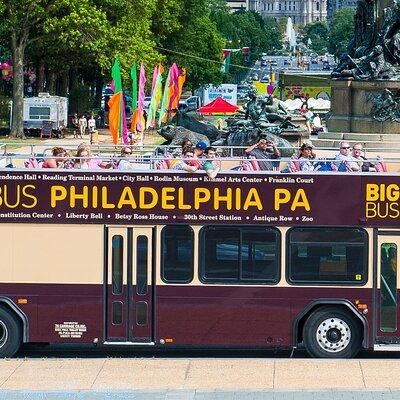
[(185, 163), (366, 166), (88, 161), (59, 158), (264, 150), (209, 165), (347, 161), (306, 155), (198, 154), (124, 163)]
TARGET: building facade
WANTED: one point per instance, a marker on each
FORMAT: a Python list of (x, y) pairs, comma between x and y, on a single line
[(236, 5), (301, 12), (334, 5)]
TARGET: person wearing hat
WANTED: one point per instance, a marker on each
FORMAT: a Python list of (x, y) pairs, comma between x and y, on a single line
[(263, 151), (198, 154), (306, 155), (200, 148)]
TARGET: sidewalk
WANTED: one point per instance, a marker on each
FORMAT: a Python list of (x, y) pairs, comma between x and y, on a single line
[(194, 374), (201, 395)]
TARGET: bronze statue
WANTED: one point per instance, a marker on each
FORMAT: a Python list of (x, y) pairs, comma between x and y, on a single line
[(386, 106), (373, 54)]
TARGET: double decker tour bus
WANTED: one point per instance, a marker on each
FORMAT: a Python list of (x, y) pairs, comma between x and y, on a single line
[(167, 259)]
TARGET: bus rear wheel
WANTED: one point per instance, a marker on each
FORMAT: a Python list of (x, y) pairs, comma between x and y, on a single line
[(10, 333), (331, 333)]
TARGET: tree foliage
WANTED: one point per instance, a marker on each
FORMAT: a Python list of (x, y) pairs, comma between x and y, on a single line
[(318, 33), (341, 30)]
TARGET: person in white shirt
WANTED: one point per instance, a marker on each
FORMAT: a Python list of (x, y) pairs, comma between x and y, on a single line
[(92, 124), (345, 157), (82, 125)]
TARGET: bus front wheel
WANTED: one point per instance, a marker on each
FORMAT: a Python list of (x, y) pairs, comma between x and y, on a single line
[(331, 333), (10, 333)]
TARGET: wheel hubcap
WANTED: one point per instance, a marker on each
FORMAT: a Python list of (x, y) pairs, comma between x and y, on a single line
[(333, 335), (3, 334)]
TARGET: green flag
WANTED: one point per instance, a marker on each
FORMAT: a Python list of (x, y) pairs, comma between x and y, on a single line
[(134, 88), (116, 75), (163, 117)]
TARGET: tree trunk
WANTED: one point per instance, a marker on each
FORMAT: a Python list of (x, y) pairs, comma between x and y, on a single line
[(51, 82), (64, 78), (40, 77), (73, 79), (17, 113), (99, 93)]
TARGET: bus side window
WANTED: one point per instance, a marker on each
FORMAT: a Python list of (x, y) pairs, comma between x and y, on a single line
[(239, 255), (117, 263), (327, 255), (177, 254)]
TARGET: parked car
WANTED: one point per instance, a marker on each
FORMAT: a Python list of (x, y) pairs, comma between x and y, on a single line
[(265, 79), (192, 103), (147, 101)]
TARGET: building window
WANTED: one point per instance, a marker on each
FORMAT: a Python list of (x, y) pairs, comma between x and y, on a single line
[(317, 5), (177, 249), (241, 255), (327, 255)]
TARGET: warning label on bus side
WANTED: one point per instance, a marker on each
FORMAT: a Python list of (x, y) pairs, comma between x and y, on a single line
[(68, 330)]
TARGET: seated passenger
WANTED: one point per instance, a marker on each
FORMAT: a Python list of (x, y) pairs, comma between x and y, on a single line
[(209, 165), (58, 160), (185, 164), (347, 161), (92, 162), (124, 164), (306, 155), (198, 154), (83, 158), (366, 166), (264, 150), (186, 142)]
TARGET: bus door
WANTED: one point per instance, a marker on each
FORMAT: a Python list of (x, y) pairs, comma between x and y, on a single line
[(128, 285), (386, 291)]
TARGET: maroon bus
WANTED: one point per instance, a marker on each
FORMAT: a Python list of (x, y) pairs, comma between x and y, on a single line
[(262, 260)]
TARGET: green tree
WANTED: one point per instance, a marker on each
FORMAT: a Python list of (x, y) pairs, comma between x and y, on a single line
[(191, 40), (318, 33), (27, 22), (341, 30)]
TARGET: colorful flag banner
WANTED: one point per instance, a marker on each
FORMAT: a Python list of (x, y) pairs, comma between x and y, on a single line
[(138, 123), (181, 81), (134, 88), (114, 115), (163, 117), (117, 121), (173, 88), (155, 98)]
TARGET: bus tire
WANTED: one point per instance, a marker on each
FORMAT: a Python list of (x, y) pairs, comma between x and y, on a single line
[(331, 333), (10, 333)]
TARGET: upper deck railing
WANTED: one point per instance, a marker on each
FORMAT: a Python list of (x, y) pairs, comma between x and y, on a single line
[(229, 159)]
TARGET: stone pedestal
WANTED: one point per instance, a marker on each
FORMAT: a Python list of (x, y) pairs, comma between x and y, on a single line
[(351, 109)]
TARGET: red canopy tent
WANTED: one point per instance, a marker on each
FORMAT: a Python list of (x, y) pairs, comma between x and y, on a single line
[(218, 106)]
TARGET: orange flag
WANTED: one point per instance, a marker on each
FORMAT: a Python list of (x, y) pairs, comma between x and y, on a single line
[(114, 115), (181, 81)]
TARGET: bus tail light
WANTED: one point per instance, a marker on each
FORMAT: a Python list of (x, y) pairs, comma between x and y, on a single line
[(22, 301)]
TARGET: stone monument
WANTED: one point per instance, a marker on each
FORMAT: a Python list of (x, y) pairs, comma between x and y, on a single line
[(366, 82)]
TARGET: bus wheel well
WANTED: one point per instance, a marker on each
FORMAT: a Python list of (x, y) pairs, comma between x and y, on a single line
[(7, 307), (299, 325)]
